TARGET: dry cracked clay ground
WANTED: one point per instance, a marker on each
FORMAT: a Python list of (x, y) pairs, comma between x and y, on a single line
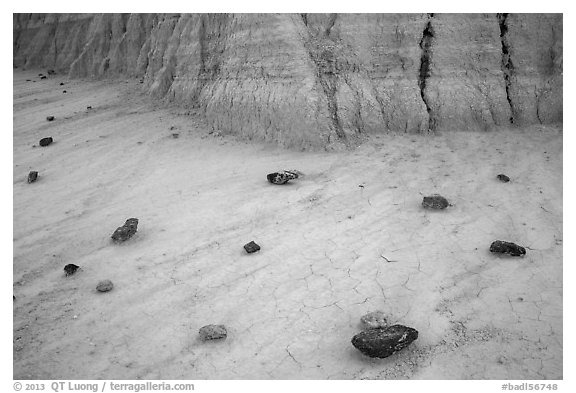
[(347, 238)]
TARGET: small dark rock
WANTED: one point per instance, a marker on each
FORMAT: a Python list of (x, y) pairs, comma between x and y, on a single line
[(28, 80), (88, 107), (212, 332), (40, 74), (435, 202), (383, 342), (64, 91), (104, 286), (51, 72), (70, 269), (281, 177), (46, 141), (502, 247), (251, 247), (126, 231), (503, 178), (32, 176), (61, 83), (175, 135), (49, 118), (43, 77)]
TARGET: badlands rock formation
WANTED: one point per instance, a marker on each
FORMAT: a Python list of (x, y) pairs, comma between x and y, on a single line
[(318, 80)]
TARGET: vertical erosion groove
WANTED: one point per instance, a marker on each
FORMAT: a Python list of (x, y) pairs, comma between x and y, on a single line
[(507, 66), (425, 45), (321, 50)]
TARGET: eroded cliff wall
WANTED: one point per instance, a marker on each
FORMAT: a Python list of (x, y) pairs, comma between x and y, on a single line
[(318, 80)]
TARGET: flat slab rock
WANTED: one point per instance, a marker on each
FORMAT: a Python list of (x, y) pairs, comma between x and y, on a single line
[(503, 247), (104, 286), (126, 231), (435, 202), (282, 177), (383, 342), (212, 332), (251, 247)]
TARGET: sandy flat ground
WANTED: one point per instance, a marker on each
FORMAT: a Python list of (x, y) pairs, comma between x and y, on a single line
[(347, 238)]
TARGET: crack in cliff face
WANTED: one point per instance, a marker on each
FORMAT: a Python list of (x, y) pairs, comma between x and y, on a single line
[(424, 74), (322, 52), (507, 66)]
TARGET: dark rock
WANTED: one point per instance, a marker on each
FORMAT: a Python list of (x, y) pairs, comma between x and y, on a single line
[(212, 332), (281, 177), (27, 80), (88, 107), (49, 118), (374, 319), (503, 178), (126, 231), (175, 135), (104, 286), (383, 342), (46, 141), (64, 91), (61, 83), (502, 247), (32, 176), (251, 247), (51, 72), (40, 74), (70, 269), (43, 77), (435, 202)]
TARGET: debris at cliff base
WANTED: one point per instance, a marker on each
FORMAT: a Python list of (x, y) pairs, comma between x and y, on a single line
[(251, 247), (212, 332), (126, 231), (70, 269), (503, 247), (46, 141), (383, 342), (104, 286), (374, 319), (435, 201), (32, 176)]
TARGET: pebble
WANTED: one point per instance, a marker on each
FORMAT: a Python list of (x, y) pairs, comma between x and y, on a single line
[(212, 332), (251, 247), (435, 202), (104, 286), (46, 141), (374, 319), (503, 247), (32, 176)]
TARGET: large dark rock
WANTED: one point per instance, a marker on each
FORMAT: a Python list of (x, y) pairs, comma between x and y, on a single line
[(503, 247), (32, 176), (126, 231), (383, 342), (435, 202), (281, 177), (212, 332), (46, 141), (251, 247), (70, 269)]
